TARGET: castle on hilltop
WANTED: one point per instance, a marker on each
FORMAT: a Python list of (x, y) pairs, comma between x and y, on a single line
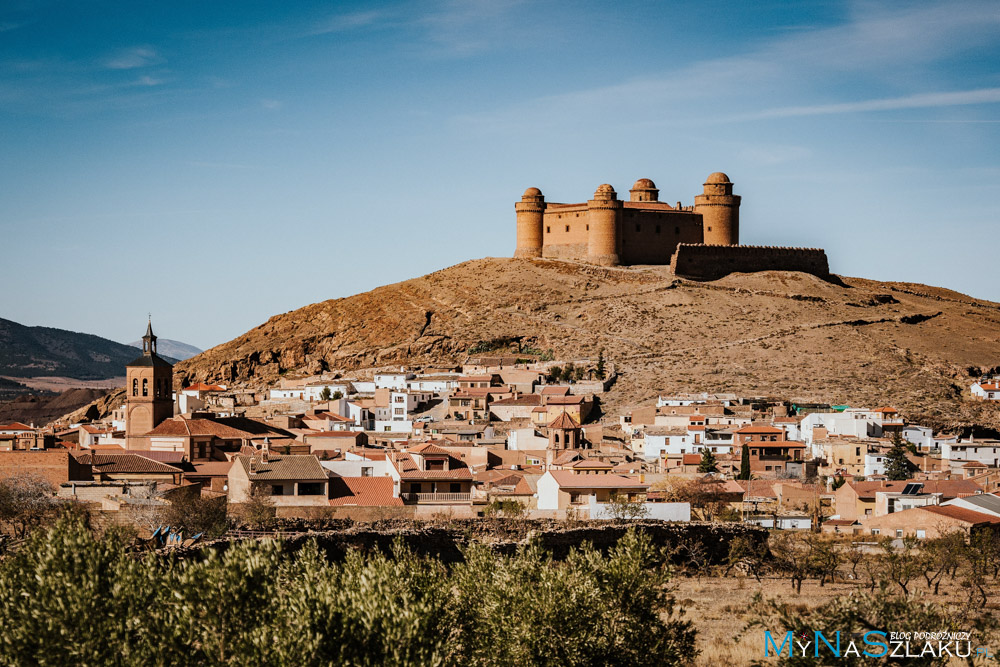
[(700, 241)]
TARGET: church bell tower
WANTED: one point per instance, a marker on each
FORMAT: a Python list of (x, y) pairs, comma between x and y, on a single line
[(149, 393)]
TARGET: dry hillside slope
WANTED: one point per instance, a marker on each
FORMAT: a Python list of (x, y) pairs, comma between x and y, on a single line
[(782, 334)]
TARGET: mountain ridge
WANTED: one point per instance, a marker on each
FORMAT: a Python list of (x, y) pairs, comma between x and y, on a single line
[(33, 351)]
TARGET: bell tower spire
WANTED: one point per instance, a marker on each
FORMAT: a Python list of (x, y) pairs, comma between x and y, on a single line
[(149, 340), (149, 392)]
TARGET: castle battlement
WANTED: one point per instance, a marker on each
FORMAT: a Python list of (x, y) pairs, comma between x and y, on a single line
[(607, 230), (700, 241)]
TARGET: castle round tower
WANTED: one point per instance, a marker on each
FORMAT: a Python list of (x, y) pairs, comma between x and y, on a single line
[(604, 211), (530, 211), (720, 211), (644, 190)]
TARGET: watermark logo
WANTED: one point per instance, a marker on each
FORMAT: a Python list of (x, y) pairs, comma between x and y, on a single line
[(874, 644)]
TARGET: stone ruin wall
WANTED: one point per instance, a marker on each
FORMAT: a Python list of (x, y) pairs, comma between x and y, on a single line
[(445, 540), (709, 262)]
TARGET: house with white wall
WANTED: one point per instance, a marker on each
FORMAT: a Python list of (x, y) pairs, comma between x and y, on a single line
[(988, 390), (986, 452), (393, 380)]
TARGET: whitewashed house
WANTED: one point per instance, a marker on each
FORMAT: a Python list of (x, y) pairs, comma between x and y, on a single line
[(987, 390)]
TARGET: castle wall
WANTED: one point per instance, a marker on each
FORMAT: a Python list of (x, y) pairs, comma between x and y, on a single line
[(565, 232), (644, 236), (709, 262), (651, 237)]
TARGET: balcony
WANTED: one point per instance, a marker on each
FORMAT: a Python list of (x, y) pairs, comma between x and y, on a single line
[(436, 497)]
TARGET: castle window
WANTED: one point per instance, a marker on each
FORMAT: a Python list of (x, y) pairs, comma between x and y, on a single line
[(578, 215), (657, 229), (135, 387), (567, 228), (638, 228), (588, 228), (145, 387), (548, 230), (709, 229)]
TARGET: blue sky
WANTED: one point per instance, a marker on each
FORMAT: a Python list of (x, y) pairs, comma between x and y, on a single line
[(218, 163)]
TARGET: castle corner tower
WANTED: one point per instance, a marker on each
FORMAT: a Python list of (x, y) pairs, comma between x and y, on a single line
[(604, 211), (149, 393), (720, 211), (530, 211)]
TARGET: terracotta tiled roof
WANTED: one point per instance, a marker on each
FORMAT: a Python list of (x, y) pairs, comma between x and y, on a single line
[(565, 457), (212, 469), (570, 480), (335, 434), (201, 386), (591, 464), (329, 416), (565, 400), (524, 399), (186, 427), (840, 522), (948, 488), (477, 392), (363, 492), (555, 391), (564, 421), (428, 449), (690, 459), (15, 426), (758, 488), (960, 513), (695, 427), (297, 467), (125, 464), (408, 469)]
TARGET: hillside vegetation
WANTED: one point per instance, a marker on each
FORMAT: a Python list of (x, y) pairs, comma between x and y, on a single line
[(27, 352), (782, 334)]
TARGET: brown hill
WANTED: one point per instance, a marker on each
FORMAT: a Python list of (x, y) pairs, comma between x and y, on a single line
[(42, 408), (781, 334)]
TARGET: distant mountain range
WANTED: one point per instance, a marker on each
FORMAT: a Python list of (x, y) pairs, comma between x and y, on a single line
[(27, 352), (173, 349)]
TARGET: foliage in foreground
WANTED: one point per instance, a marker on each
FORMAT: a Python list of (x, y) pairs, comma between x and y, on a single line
[(70, 598)]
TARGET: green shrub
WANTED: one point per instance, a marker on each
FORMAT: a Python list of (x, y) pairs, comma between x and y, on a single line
[(68, 597)]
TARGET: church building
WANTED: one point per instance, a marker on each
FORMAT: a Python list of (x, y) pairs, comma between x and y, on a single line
[(149, 393)]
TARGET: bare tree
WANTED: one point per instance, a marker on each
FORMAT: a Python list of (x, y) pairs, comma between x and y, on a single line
[(26, 501), (622, 509), (257, 511)]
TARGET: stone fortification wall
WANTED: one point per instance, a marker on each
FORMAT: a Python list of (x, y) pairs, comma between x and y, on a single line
[(709, 262), (446, 540)]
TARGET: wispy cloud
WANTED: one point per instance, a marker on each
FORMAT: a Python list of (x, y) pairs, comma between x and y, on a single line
[(918, 101), (221, 165), (271, 104), (140, 56), (350, 21), (881, 46)]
